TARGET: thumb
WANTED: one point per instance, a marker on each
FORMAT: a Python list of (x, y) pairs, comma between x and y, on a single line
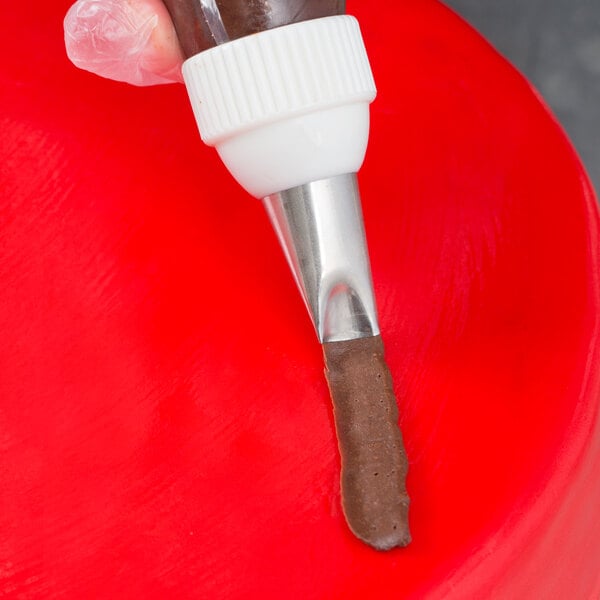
[(126, 40)]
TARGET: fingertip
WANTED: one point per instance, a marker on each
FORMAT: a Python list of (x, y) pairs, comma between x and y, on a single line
[(125, 40)]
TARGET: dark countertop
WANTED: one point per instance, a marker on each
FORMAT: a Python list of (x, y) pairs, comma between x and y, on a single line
[(556, 44)]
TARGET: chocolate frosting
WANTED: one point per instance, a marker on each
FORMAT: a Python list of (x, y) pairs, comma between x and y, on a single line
[(374, 463), (192, 18)]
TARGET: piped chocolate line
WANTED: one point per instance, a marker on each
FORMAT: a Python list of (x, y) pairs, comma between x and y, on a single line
[(374, 463)]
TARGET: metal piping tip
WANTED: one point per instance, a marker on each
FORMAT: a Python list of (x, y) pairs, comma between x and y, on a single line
[(320, 228)]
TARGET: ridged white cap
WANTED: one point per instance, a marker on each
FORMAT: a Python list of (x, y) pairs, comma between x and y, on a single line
[(286, 106)]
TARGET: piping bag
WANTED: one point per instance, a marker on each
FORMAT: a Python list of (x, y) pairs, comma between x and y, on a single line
[(281, 89)]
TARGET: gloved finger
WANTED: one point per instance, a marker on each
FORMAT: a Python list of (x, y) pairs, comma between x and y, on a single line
[(126, 40)]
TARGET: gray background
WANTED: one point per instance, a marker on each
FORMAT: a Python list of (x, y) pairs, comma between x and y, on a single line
[(556, 44)]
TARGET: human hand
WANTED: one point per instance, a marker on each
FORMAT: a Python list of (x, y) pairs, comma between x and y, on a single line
[(127, 40)]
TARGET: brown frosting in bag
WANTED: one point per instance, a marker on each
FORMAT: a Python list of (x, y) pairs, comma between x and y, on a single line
[(196, 31)]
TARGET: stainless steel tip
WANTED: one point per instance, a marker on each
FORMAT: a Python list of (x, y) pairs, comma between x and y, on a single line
[(320, 228)]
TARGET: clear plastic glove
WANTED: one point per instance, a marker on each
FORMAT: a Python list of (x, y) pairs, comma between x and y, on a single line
[(126, 40)]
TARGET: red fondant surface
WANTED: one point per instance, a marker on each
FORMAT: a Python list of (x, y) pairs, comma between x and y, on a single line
[(165, 426)]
